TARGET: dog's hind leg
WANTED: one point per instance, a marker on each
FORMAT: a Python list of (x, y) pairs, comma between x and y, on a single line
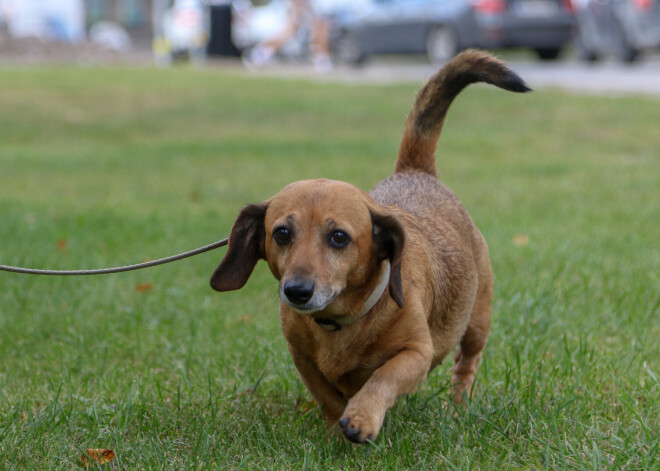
[(468, 354)]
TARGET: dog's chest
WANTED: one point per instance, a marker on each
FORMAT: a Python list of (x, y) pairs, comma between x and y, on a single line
[(348, 362), (347, 371)]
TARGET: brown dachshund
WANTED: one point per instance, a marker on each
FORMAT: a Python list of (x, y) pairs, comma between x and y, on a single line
[(376, 289)]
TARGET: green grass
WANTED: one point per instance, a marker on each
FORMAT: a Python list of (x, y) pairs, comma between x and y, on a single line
[(102, 167)]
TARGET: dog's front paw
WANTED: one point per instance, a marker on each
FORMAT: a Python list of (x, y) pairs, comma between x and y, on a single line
[(358, 428)]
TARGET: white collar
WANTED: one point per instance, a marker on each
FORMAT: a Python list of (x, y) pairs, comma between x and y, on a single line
[(336, 323)]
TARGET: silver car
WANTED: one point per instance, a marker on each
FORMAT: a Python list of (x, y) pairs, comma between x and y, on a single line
[(441, 28), (624, 27)]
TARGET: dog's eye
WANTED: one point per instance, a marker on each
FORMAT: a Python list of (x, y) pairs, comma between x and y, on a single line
[(338, 239), (282, 235)]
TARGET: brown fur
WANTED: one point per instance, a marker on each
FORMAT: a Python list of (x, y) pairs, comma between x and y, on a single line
[(440, 283)]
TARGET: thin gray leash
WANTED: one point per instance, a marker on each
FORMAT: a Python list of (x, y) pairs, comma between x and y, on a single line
[(103, 271)]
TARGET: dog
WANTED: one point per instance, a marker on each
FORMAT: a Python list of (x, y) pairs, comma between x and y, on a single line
[(376, 289)]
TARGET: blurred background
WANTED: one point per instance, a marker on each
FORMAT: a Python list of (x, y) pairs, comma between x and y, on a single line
[(332, 34)]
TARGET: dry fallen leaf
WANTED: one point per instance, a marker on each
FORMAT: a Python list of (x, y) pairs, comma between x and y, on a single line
[(94, 456), (62, 245), (144, 287), (244, 319), (306, 406), (521, 240), (243, 394)]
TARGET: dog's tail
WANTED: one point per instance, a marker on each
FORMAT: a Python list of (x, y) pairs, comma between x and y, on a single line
[(424, 124)]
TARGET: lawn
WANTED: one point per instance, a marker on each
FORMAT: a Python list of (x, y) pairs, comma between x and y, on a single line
[(108, 166)]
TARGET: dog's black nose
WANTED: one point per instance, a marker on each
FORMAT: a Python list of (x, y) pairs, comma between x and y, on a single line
[(299, 291)]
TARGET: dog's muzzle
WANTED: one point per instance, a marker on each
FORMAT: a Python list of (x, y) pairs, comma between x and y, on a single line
[(304, 297), (301, 295)]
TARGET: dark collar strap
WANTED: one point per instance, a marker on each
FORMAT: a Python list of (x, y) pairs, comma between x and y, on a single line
[(327, 324)]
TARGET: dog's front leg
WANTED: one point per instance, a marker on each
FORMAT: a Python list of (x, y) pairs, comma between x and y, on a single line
[(332, 402), (364, 415)]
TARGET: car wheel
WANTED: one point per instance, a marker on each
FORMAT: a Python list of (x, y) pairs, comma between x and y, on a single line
[(548, 53), (347, 50), (441, 44)]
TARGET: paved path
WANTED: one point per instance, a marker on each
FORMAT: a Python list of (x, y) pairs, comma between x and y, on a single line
[(642, 78), (602, 78)]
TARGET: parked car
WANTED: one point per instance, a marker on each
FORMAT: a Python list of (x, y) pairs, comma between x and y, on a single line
[(441, 28), (624, 27)]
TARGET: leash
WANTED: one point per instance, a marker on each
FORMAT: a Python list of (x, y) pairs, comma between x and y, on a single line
[(104, 271)]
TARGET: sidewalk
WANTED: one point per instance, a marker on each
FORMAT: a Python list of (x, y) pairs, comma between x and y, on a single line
[(601, 78), (641, 78)]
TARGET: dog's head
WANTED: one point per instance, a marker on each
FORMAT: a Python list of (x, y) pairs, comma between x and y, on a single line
[(328, 243)]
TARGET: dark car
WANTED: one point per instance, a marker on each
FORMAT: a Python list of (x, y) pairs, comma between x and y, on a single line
[(441, 28), (624, 27)]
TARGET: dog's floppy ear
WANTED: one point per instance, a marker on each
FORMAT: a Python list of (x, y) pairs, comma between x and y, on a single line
[(246, 247), (389, 237)]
